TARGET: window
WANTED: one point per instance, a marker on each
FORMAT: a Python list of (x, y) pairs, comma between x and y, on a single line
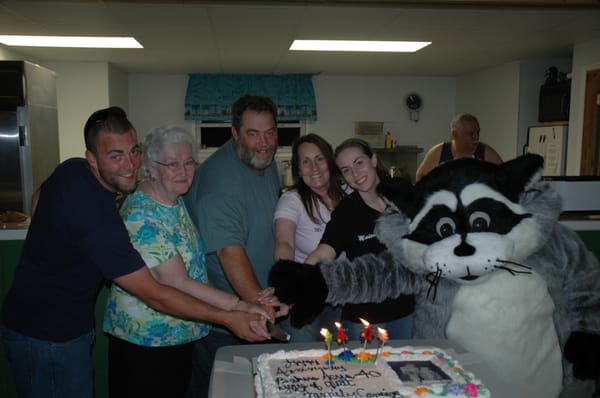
[(213, 134)]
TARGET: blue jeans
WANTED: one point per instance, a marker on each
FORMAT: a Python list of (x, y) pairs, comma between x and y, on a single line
[(398, 329), (47, 369)]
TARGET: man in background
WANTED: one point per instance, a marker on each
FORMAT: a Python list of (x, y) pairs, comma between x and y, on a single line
[(464, 129), (231, 201)]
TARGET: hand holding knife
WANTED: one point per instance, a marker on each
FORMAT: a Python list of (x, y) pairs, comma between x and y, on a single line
[(277, 333)]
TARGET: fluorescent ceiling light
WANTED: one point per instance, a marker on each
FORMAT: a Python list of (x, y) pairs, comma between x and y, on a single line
[(70, 41), (358, 45)]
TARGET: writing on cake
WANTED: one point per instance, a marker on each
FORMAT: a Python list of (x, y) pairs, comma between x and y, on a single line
[(403, 372), (315, 379)]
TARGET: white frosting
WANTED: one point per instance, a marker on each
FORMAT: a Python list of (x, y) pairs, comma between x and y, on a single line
[(306, 374)]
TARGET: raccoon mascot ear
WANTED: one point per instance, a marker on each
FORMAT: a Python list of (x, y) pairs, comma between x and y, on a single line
[(512, 178), (517, 176)]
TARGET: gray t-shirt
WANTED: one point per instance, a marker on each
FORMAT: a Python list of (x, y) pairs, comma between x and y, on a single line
[(230, 205)]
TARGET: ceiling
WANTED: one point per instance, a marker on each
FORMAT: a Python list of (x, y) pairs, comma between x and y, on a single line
[(254, 36)]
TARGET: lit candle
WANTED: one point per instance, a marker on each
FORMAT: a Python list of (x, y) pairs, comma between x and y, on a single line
[(382, 337), (367, 333), (328, 337), (341, 339)]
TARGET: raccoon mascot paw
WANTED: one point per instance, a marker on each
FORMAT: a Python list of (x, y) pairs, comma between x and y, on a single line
[(582, 350), (301, 285)]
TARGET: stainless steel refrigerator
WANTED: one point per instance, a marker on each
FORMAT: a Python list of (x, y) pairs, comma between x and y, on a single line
[(29, 149)]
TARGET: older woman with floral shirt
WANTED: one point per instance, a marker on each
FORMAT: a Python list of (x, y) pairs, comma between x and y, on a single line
[(150, 353)]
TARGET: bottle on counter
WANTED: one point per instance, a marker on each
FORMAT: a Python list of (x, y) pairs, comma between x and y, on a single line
[(388, 140)]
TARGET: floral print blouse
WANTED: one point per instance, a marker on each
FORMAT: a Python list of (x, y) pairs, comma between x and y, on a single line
[(158, 232)]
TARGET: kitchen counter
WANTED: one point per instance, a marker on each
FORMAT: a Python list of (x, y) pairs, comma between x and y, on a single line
[(582, 225), (14, 231), (581, 221)]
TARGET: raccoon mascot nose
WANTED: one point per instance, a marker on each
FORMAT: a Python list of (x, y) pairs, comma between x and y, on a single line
[(464, 249)]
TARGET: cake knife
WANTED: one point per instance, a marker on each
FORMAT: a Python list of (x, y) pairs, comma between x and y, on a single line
[(277, 333)]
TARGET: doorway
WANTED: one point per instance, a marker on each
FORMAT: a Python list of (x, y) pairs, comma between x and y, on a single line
[(590, 151)]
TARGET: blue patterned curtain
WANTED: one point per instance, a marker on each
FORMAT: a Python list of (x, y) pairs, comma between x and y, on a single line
[(209, 97)]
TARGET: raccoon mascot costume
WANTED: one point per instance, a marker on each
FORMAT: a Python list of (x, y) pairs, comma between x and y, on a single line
[(480, 247)]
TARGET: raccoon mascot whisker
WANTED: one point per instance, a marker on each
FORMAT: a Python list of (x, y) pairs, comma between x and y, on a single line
[(433, 278), (538, 331), (513, 263), (512, 271)]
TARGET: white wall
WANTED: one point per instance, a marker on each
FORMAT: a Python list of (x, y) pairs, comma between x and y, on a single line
[(156, 99), (341, 100), (7, 54), (82, 88), (492, 95), (118, 88), (586, 56)]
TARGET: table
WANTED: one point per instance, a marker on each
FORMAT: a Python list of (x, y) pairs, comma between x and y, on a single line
[(232, 374)]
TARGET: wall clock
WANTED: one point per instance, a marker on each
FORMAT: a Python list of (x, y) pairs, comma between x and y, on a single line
[(414, 103)]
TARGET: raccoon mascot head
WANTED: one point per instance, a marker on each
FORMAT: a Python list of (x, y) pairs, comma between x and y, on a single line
[(481, 248)]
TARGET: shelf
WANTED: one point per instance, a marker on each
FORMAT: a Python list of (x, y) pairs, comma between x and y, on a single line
[(400, 149)]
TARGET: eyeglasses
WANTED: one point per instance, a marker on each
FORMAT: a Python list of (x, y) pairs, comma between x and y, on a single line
[(175, 166)]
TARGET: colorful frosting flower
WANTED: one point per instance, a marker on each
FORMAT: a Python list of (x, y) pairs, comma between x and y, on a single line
[(421, 390), (454, 389), (471, 389)]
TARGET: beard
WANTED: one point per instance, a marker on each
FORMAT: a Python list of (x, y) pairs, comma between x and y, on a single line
[(117, 185), (250, 157)]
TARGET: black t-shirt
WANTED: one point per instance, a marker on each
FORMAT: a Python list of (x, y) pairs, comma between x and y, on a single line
[(76, 240), (447, 156), (352, 230)]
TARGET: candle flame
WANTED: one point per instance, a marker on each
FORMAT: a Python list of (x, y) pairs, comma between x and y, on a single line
[(364, 321), (338, 325), (383, 334), (324, 332)]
